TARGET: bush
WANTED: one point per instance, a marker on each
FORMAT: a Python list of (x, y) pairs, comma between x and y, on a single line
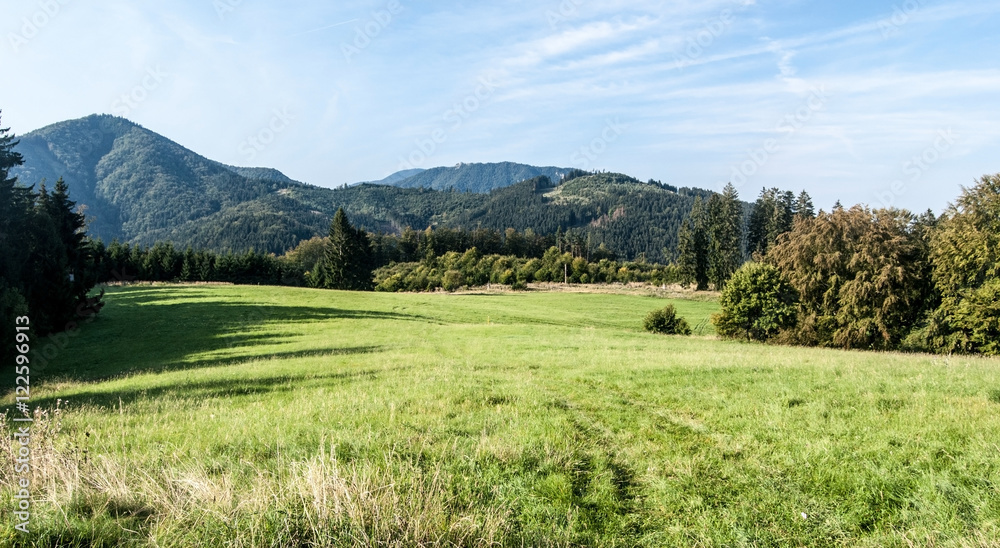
[(453, 280), (756, 304), (667, 322)]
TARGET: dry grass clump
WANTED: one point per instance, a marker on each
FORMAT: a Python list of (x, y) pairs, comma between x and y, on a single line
[(321, 501)]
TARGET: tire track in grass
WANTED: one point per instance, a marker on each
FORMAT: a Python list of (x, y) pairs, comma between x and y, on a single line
[(606, 490)]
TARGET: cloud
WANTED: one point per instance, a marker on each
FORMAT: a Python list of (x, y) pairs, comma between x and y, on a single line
[(587, 37)]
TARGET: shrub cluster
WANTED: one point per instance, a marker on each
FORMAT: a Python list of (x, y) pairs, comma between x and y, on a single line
[(453, 270), (756, 304), (666, 321)]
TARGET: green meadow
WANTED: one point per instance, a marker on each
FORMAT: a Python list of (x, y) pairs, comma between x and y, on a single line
[(262, 416)]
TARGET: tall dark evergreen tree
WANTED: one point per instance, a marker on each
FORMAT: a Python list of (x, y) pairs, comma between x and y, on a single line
[(772, 215), (804, 206), (15, 203), (61, 260), (347, 261), (693, 248), (70, 226), (761, 217), (726, 233)]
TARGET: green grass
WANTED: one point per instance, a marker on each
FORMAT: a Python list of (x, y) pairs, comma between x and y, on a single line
[(246, 416)]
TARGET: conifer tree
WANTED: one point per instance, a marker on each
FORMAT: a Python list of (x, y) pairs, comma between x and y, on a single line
[(188, 267), (346, 263), (693, 248), (726, 234), (760, 218), (965, 252), (804, 206), (14, 209)]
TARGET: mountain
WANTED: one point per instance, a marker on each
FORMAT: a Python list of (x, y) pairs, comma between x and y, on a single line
[(133, 181), (140, 187), (398, 176), (264, 173), (480, 178), (629, 216)]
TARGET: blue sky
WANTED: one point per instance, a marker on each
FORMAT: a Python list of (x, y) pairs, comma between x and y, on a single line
[(886, 103)]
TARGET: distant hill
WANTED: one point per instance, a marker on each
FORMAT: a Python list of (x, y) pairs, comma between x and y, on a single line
[(627, 215), (396, 177), (479, 178), (140, 187), (263, 173)]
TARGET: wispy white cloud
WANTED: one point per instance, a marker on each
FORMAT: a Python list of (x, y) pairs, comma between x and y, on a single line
[(557, 82)]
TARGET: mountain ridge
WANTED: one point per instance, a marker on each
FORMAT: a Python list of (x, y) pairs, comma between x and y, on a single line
[(478, 177), (140, 187)]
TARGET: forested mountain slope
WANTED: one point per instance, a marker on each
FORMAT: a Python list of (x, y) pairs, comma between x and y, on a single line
[(140, 187), (479, 178)]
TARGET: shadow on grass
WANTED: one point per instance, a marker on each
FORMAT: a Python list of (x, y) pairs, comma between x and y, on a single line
[(161, 329), (202, 390), (236, 360)]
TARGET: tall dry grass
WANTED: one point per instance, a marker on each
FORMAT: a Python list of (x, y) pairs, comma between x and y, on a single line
[(394, 501)]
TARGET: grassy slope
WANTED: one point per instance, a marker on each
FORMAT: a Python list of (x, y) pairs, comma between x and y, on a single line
[(265, 416)]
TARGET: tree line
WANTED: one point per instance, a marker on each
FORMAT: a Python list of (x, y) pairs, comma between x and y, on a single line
[(47, 269), (719, 235), (347, 258), (454, 270), (881, 279), (449, 258)]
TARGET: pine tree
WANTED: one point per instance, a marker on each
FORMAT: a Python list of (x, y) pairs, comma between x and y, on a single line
[(188, 267), (758, 228), (347, 261), (804, 206), (15, 207), (693, 248), (726, 234)]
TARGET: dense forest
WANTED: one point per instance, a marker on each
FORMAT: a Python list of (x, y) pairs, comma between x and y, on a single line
[(479, 178), (46, 272)]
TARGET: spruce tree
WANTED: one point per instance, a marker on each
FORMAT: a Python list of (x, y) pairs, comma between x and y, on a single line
[(761, 216), (50, 292), (693, 248), (346, 263), (70, 226), (188, 266), (804, 206), (726, 233), (771, 216), (15, 204)]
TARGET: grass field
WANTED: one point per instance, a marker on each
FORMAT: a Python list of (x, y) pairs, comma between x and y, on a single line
[(259, 416)]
